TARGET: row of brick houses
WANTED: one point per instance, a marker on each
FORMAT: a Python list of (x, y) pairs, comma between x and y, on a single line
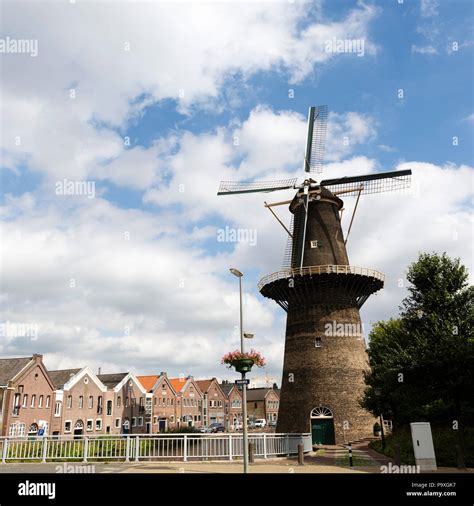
[(34, 400)]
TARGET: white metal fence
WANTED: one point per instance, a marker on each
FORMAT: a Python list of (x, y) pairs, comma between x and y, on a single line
[(143, 447)]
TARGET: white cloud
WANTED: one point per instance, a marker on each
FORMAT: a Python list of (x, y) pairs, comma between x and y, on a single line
[(423, 49), (428, 8), (470, 118)]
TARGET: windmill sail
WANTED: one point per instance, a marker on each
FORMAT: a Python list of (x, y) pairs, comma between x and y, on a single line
[(370, 183), (233, 187), (317, 121)]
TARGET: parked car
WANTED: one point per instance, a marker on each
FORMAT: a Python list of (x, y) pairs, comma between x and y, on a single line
[(204, 430), (272, 423), (216, 427), (260, 423)]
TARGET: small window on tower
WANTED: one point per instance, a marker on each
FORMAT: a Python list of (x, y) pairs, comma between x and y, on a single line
[(317, 342), (315, 244)]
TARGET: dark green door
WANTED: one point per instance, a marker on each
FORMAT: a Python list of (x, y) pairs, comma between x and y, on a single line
[(322, 430)]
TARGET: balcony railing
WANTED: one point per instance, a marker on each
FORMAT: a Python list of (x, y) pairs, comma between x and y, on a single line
[(318, 270)]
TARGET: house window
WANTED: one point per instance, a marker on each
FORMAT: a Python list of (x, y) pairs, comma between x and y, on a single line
[(167, 402), (40, 401), (117, 423), (91, 401), (67, 426), (109, 408), (172, 402), (33, 400), (317, 342), (57, 408), (119, 401), (25, 400), (90, 425), (69, 402), (140, 421), (155, 420), (126, 402), (81, 401), (172, 418), (99, 404), (315, 244), (48, 401), (134, 402), (98, 424), (16, 404), (17, 429), (134, 422)]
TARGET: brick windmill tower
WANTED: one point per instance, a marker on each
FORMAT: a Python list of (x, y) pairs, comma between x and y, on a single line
[(325, 354)]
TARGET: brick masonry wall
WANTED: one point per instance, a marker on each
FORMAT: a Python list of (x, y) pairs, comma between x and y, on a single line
[(331, 375), (34, 382)]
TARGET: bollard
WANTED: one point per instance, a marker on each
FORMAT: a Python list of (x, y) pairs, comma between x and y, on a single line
[(300, 455), (251, 452), (397, 458), (460, 458), (351, 463)]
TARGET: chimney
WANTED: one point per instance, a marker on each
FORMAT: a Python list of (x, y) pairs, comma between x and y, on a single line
[(100, 369)]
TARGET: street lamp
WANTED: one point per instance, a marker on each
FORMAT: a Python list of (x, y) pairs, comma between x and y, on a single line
[(239, 275), (377, 392)]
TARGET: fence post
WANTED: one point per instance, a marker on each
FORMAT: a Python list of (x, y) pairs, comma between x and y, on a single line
[(5, 450), (230, 446), (45, 448), (86, 449), (287, 445), (127, 450), (185, 449), (252, 452), (264, 446), (137, 449)]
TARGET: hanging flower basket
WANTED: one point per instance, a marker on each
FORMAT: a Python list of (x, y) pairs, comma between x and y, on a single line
[(243, 362)]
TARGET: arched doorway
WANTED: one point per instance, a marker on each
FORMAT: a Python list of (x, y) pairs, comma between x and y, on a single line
[(79, 428), (322, 426)]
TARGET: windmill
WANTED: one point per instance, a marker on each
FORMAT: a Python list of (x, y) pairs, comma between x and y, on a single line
[(322, 293)]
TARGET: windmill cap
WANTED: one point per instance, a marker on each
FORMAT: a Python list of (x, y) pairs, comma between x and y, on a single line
[(323, 192)]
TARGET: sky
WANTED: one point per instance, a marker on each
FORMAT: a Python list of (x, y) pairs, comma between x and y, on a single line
[(119, 120)]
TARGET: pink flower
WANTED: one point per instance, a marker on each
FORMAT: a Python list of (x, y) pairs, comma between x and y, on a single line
[(232, 356)]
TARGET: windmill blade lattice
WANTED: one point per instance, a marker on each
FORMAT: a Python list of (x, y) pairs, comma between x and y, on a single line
[(370, 183), (316, 139), (234, 187)]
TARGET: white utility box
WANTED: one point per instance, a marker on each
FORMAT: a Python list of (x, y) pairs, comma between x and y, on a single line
[(423, 446)]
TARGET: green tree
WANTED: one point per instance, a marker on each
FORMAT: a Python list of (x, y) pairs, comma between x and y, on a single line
[(422, 364)]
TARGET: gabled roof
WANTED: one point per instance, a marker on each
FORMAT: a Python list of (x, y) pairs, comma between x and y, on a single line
[(226, 387), (178, 383), (129, 377), (258, 394), (61, 376), (148, 382), (10, 367), (204, 385), (111, 380)]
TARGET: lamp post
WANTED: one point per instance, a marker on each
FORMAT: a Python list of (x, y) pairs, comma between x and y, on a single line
[(378, 391), (238, 274)]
